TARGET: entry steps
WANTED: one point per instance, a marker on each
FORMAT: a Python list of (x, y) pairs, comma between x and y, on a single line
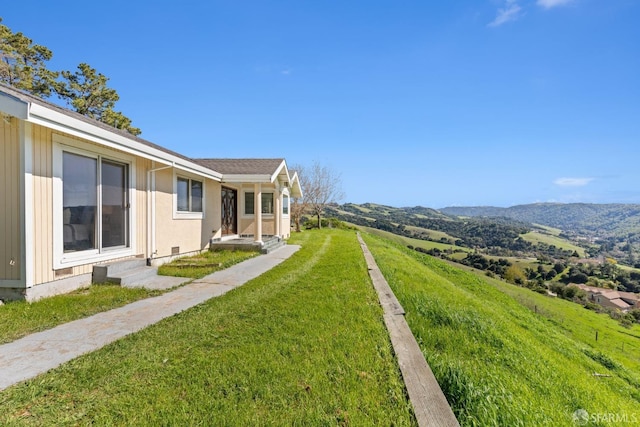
[(134, 273)]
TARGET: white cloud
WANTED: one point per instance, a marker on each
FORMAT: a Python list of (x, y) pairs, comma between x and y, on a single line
[(572, 182), (548, 4), (510, 12)]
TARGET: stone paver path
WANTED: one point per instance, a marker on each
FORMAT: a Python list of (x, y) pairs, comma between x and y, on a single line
[(37, 353)]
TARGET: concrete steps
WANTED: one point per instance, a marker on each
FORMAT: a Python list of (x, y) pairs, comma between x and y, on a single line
[(134, 273), (269, 244), (272, 244)]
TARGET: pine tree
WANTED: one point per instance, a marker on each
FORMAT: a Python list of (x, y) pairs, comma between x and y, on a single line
[(23, 63), (87, 92)]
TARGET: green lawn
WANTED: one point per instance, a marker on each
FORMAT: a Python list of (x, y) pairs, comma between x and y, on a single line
[(303, 344), (20, 318), (506, 356), (198, 266)]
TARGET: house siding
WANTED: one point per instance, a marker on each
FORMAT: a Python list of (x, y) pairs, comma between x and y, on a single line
[(43, 204), (10, 214), (43, 246), (188, 235), (141, 217), (212, 221)]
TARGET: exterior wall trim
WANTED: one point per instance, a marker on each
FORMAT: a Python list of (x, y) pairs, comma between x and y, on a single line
[(26, 202), (14, 107)]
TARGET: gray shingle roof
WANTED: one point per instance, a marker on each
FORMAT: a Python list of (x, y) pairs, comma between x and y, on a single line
[(242, 166)]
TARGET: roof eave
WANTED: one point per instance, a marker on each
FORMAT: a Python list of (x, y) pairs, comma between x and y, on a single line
[(246, 178), (279, 170), (13, 106), (41, 115)]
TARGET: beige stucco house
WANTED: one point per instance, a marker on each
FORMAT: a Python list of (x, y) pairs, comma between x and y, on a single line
[(75, 193), (619, 300)]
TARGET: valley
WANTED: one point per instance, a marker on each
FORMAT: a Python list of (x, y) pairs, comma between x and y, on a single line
[(524, 245)]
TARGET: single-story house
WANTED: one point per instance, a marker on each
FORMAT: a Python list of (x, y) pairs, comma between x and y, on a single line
[(623, 301), (76, 193)]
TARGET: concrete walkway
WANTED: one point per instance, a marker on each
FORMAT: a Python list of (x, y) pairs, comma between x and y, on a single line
[(429, 403), (37, 353)]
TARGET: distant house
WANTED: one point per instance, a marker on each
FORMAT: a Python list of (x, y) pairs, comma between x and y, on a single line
[(623, 301), (76, 192)]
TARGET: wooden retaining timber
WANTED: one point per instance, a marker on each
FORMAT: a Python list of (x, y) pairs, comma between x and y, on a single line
[(429, 403)]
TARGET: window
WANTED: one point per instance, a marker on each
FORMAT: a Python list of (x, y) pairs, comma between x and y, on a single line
[(188, 195), (79, 201), (285, 205), (95, 194), (248, 203), (92, 207), (267, 203)]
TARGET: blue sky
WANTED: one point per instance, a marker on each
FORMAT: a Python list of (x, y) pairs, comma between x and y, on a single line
[(478, 102)]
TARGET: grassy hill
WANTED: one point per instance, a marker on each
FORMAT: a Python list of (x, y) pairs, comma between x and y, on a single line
[(582, 218), (505, 355), (417, 243), (429, 224), (305, 344), (550, 239)]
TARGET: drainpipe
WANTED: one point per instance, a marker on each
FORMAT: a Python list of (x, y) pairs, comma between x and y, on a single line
[(151, 209)]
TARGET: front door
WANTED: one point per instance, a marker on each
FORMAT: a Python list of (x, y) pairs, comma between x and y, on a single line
[(229, 209)]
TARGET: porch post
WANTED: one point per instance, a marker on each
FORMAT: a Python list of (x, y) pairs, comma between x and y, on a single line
[(257, 213), (277, 217)]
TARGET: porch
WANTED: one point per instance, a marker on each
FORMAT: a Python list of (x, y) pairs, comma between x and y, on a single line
[(248, 243)]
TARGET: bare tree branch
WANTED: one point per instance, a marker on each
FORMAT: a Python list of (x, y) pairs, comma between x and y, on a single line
[(320, 187)]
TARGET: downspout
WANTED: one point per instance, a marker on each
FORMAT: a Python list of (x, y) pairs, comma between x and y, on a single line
[(151, 210)]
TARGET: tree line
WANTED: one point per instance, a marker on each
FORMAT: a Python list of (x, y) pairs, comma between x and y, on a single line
[(23, 65)]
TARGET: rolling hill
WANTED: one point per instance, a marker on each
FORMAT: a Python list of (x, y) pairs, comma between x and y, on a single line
[(597, 220)]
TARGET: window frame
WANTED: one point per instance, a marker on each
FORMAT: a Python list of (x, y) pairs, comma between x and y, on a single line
[(286, 204), (61, 259), (189, 213), (262, 205)]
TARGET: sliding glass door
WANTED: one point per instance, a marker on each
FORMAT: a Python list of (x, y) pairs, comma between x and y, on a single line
[(115, 204), (95, 193), (79, 202)]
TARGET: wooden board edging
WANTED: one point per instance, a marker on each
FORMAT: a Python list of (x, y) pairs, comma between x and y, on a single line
[(429, 403)]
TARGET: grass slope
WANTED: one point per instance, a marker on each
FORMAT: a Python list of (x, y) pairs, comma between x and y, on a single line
[(497, 360), (405, 241), (537, 237), (303, 344)]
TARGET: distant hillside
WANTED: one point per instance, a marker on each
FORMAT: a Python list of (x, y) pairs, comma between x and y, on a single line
[(579, 218), (549, 229), (495, 236)]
